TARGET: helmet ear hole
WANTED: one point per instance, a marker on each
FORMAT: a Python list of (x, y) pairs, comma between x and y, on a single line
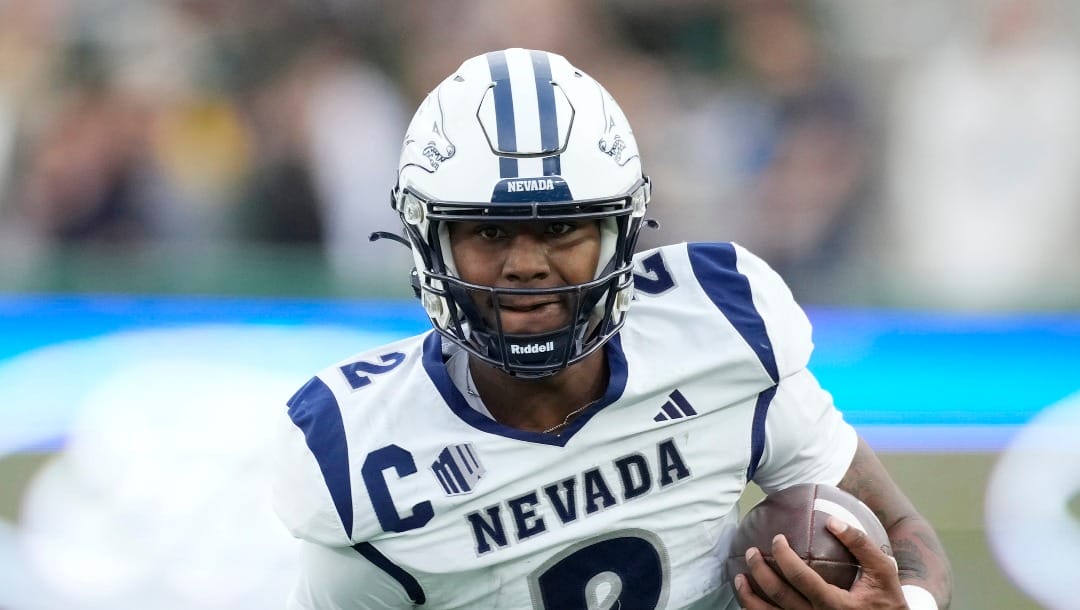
[(412, 210)]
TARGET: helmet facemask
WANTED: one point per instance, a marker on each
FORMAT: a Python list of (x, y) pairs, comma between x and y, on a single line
[(514, 136), (597, 307)]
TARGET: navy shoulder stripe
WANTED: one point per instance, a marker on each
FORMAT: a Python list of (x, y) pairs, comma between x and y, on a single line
[(714, 265), (408, 581), (314, 410), (757, 430)]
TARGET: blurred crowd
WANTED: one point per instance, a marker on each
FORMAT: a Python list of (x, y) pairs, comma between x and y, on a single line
[(919, 154)]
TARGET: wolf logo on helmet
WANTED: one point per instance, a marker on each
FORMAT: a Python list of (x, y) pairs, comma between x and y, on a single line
[(524, 126), (425, 148)]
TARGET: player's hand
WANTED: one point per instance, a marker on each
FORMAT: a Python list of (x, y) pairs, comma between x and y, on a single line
[(877, 588), (769, 582)]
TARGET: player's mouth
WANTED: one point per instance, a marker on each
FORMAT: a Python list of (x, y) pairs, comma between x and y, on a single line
[(525, 307), (531, 316)]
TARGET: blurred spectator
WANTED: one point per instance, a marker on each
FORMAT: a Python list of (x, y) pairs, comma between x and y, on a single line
[(79, 184), (29, 42), (218, 124), (352, 119), (122, 145), (777, 149), (983, 206)]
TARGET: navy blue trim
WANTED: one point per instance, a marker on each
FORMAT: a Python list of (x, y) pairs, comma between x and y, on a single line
[(436, 370), (549, 118), (683, 404), (757, 430), (504, 112), (314, 410), (408, 581), (671, 410), (714, 264)]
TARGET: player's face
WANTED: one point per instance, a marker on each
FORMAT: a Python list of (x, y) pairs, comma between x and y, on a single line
[(536, 254)]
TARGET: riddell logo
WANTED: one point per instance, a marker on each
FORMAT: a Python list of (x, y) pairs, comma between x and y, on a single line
[(533, 348)]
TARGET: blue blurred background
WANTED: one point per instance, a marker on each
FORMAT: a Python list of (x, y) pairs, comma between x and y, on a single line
[(187, 186)]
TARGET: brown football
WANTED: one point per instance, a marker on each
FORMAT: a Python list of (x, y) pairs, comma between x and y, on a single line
[(800, 512)]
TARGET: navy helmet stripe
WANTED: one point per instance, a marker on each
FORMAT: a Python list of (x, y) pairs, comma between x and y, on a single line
[(504, 112), (549, 119), (315, 411)]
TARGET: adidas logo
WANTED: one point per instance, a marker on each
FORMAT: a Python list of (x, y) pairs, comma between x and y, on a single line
[(675, 408)]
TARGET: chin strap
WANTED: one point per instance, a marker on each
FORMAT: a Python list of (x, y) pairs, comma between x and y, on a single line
[(414, 277), (377, 235)]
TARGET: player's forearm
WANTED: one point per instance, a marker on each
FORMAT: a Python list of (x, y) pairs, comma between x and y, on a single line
[(921, 558), (919, 553)]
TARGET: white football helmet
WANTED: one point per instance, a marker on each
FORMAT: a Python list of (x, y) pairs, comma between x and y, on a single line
[(521, 135)]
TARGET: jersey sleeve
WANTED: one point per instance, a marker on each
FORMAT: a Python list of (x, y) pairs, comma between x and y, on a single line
[(342, 579), (785, 321), (806, 437), (757, 302), (300, 495)]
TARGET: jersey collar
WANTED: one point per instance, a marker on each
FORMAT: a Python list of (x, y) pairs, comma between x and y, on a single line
[(436, 370)]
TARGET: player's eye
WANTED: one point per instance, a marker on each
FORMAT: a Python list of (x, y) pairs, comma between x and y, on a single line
[(561, 228), (490, 232)]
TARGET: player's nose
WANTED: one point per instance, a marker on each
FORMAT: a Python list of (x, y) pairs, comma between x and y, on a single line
[(526, 258)]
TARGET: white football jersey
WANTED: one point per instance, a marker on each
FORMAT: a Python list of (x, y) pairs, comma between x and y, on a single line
[(407, 497)]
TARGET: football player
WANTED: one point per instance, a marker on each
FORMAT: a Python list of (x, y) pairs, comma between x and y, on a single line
[(578, 427)]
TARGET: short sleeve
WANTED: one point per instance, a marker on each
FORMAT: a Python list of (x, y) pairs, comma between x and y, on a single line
[(785, 321), (300, 496), (757, 302), (806, 437)]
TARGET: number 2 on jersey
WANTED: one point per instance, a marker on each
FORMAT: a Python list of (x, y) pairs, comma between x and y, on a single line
[(356, 380), (655, 277), (621, 570)]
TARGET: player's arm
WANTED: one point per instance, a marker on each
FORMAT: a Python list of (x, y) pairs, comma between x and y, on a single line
[(343, 579), (919, 553), (808, 441), (333, 572)]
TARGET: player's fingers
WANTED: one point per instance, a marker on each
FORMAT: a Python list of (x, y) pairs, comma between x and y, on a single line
[(802, 577), (748, 600), (873, 559), (771, 584)]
